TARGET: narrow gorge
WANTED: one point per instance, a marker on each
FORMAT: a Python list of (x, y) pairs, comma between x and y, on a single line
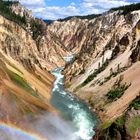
[(72, 79)]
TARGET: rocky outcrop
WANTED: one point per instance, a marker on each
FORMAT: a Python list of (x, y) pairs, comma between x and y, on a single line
[(25, 84), (23, 90), (19, 44), (18, 9), (25, 35), (109, 32), (73, 33), (52, 51)]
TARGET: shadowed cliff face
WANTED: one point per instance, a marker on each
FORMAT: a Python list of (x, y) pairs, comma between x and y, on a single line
[(73, 33)]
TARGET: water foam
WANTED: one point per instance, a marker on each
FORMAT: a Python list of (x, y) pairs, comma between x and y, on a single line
[(76, 110)]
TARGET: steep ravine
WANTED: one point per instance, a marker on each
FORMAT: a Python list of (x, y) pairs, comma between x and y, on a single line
[(26, 84)]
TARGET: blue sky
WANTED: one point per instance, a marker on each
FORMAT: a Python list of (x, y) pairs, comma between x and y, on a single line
[(54, 9)]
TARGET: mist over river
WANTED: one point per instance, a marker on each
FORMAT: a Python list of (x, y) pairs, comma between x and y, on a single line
[(75, 122)]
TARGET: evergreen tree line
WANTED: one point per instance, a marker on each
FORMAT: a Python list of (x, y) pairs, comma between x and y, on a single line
[(6, 12), (128, 8)]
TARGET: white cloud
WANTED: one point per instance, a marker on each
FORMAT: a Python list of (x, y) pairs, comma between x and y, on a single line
[(103, 4), (33, 2), (55, 12), (41, 9), (51, 12)]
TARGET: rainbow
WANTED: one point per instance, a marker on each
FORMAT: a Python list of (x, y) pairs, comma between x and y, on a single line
[(9, 131)]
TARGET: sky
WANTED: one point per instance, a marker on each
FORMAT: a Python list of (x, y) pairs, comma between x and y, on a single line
[(55, 9)]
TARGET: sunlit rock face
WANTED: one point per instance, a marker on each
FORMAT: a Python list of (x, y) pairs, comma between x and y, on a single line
[(52, 50), (25, 84), (114, 37), (72, 33), (47, 51), (18, 9), (21, 63), (105, 33)]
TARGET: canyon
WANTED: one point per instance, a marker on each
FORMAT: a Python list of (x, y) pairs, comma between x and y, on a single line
[(104, 71)]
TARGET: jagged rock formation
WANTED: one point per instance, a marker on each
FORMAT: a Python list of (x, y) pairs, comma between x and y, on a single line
[(22, 47), (22, 91), (107, 32), (109, 53), (18, 9), (116, 39), (71, 33), (25, 84)]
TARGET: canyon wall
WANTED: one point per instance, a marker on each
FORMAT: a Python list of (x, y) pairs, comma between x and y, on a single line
[(25, 83), (105, 72)]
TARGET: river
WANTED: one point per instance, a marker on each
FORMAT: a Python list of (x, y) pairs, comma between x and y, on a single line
[(72, 109)]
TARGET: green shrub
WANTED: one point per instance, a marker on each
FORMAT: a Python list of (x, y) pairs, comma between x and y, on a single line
[(82, 71), (36, 29), (115, 52), (106, 125), (126, 9), (19, 81), (136, 103), (113, 74), (133, 124), (96, 72), (117, 90), (120, 121), (89, 17)]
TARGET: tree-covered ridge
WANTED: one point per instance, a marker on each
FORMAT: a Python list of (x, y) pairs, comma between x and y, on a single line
[(38, 28), (128, 8), (6, 12), (89, 17)]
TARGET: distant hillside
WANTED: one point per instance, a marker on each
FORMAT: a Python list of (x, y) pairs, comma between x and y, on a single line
[(89, 17), (48, 21)]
